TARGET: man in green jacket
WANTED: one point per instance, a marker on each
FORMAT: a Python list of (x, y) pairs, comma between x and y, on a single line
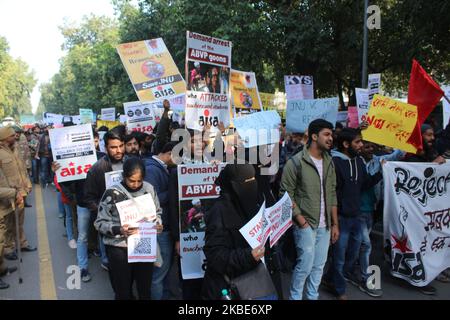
[(310, 180)]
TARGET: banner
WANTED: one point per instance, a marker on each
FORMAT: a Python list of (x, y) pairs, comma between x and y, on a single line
[(446, 106), (108, 114), (27, 119), (280, 217), (274, 101), (352, 117), (142, 247), (196, 191), (373, 85), (86, 116), (73, 147), (52, 118), (391, 123), (140, 116), (151, 69), (300, 113), (258, 229), (273, 222), (208, 63), (417, 219), (299, 87), (109, 124), (244, 93), (362, 103), (134, 211), (123, 118), (259, 128)]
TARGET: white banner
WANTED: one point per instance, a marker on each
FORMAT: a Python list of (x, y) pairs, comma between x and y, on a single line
[(273, 222), (108, 114), (197, 193), (258, 229), (362, 103), (208, 63), (373, 85), (259, 128), (299, 87), (140, 116), (280, 217), (73, 147), (52, 118), (137, 210), (446, 106), (142, 247), (300, 113), (417, 219)]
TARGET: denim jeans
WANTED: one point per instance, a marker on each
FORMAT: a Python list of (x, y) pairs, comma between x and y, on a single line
[(160, 289), (312, 248), (366, 246), (345, 250), (84, 218), (44, 170), (101, 246), (69, 221), (35, 170)]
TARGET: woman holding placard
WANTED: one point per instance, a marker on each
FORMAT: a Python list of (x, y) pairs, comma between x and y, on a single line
[(130, 246)]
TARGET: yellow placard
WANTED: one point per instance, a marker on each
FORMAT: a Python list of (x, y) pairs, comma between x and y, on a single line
[(268, 101), (391, 123), (151, 69), (109, 124), (244, 91)]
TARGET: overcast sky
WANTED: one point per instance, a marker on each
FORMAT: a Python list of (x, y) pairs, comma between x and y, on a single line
[(31, 28)]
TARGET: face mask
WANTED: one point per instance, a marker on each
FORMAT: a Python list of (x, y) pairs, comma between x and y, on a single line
[(247, 196)]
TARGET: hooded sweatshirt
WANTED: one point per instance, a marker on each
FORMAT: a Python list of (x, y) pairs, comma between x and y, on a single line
[(351, 178)]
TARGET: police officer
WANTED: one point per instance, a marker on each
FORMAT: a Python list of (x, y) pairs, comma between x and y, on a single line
[(17, 178)]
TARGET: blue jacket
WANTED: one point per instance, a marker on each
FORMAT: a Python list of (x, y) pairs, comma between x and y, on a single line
[(158, 176)]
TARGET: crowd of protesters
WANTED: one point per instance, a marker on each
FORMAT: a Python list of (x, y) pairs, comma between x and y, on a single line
[(332, 176)]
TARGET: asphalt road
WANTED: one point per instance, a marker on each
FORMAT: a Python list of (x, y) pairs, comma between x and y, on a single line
[(47, 272)]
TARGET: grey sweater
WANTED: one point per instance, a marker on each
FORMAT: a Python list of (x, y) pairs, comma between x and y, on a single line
[(108, 218)]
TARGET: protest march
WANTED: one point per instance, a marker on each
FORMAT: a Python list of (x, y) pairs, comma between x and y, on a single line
[(202, 187)]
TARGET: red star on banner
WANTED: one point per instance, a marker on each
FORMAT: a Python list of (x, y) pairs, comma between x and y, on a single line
[(71, 164), (401, 244)]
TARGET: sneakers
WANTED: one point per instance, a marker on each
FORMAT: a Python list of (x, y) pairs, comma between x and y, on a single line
[(11, 256), (85, 275), (3, 285), (371, 292), (72, 244), (105, 266), (352, 279), (96, 253), (60, 216), (428, 290), (442, 277), (7, 271)]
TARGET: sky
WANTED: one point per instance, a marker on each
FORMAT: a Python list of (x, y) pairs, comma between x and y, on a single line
[(31, 28)]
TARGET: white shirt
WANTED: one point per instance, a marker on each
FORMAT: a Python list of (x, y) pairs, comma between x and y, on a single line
[(319, 165)]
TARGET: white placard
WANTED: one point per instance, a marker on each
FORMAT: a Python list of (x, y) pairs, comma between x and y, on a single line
[(136, 210), (73, 148), (140, 116), (299, 87), (113, 177), (142, 247), (108, 114), (259, 128), (362, 103)]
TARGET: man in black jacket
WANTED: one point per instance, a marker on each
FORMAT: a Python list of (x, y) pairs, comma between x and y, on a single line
[(95, 180), (351, 179)]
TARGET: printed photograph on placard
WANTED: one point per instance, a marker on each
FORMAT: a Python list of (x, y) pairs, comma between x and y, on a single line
[(192, 214), (206, 77)]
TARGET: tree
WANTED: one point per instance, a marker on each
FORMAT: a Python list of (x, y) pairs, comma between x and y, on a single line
[(16, 84)]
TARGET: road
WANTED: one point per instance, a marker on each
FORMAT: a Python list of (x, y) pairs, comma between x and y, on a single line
[(45, 271)]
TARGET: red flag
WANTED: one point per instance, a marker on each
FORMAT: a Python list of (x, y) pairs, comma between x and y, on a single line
[(424, 93)]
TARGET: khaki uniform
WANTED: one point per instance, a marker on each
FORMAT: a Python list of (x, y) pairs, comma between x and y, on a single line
[(24, 151), (7, 195), (16, 176)]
